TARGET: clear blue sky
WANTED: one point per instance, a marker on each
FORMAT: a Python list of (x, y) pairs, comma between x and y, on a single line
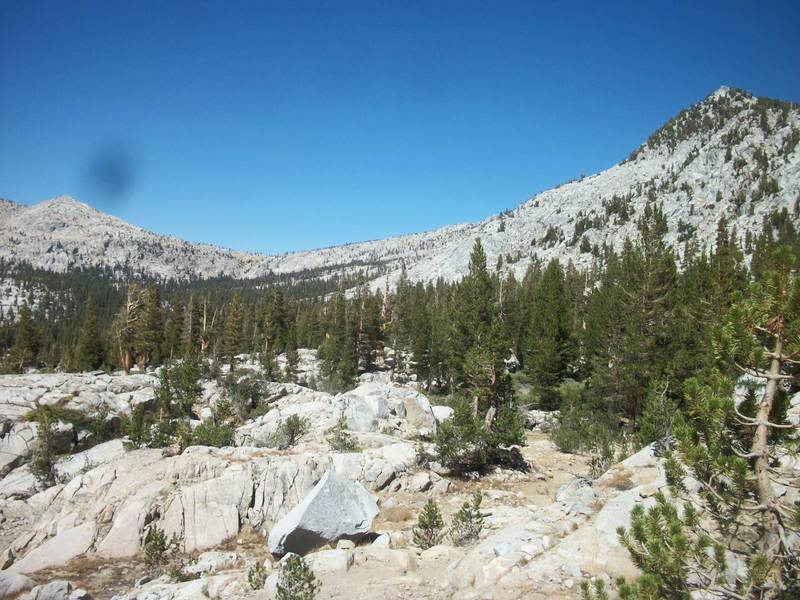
[(273, 126)]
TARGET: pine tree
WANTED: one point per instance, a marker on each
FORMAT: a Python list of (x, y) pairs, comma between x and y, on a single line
[(125, 324), (233, 332), (292, 358), (191, 326), (27, 342), (430, 527), (296, 581), (740, 511), (148, 329), (550, 347), (88, 353)]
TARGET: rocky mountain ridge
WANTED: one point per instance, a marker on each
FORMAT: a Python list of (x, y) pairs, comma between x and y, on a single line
[(731, 155)]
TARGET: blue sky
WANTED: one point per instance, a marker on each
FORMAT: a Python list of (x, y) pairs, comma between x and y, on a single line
[(275, 126)]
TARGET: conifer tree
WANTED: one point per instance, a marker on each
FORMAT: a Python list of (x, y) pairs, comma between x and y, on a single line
[(191, 326), (125, 324), (233, 332), (27, 342), (550, 347), (739, 515), (88, 353), (148, 329), (292, 358)]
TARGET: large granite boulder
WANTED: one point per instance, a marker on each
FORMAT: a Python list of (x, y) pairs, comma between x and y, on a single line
[(336, 508)]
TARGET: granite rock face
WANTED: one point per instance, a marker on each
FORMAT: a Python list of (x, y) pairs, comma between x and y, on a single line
[(336, 508)]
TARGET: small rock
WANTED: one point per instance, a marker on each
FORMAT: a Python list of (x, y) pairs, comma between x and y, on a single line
[(442, 413), (55, 590), (13, 584), (389, 503), (6, 559), (143, 580), (385, 477), (212, 562), (441, 551), (382, 541), (330, 561), (402, 561), (647, 490), (345, 545), (80, 594), (442, 486), (421, 482)]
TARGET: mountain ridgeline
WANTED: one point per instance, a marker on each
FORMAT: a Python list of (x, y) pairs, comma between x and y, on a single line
[(732, 155)]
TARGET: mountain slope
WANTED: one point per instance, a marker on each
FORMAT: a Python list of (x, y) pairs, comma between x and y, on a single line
[(732, 154)]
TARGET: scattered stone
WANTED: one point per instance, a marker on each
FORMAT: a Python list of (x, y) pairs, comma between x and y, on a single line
[(403, 561), (6, 559), (441, 552), (421, 482), (382, 541), (55, 590), (442, 487), (212, 562), (330, 561), (13, 584), (442, 413)]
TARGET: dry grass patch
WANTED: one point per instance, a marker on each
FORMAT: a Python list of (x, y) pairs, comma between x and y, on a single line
[(620, 480), (396, 514)]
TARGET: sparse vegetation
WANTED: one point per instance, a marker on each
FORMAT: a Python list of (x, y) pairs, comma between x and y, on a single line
[(467, 522), (297, 580), (340, 440), (290, 431), (256, 576), (154, 548), (430, 526)]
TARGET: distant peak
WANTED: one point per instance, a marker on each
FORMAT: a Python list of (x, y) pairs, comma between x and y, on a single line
[(61, 200), (64, 202), (723, 90)]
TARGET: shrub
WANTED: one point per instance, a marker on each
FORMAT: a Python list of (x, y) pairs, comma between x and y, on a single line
[(290, 431), (177, 572), (41, 467), (467, 522), (581, 426), (243, 393), (597, 591), (340, 440), (211, 434), (296, 580), (178, 386), (45, 417), (463, 444), (430, 527), (155, 547), (100, 428), (257, 576), (658, 413)]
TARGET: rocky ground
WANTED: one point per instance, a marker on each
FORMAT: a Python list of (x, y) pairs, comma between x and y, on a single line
[(546, 527)]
